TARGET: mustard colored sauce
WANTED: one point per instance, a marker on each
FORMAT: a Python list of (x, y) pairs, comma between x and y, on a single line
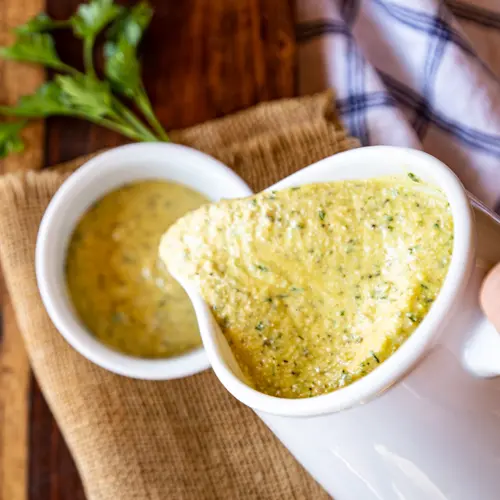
[(119, 286), (314, 287)]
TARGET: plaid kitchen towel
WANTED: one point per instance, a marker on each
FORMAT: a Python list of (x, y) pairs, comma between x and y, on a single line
[(419, 73)]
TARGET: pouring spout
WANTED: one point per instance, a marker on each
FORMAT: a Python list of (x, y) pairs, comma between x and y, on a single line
[(219, 353)]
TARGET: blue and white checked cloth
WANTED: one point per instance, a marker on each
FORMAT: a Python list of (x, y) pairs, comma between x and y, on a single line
[(419, 73)]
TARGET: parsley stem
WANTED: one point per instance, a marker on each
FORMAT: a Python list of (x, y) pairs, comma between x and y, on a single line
[(144, 104), (132, 120), (88, 59), (118, 127), (60, 24), (66, 68), (56, 65)]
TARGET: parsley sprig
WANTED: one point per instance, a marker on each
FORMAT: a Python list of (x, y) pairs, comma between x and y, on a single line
[(85, 95)]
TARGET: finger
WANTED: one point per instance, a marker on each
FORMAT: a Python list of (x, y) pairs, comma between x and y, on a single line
[(489, 297)]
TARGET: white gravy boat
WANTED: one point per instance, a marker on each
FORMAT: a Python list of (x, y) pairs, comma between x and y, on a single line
[(425, 424)]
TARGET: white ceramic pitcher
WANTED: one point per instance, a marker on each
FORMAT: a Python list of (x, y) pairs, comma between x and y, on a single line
[(425, 425)]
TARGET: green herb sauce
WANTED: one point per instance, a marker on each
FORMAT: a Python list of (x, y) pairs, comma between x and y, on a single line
[(327, 289), (119, 286)]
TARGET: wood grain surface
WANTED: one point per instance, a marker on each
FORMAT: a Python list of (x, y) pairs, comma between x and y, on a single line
[(16, 80), (202, 59)]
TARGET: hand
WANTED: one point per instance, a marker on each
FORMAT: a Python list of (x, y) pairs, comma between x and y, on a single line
[(489, 297)]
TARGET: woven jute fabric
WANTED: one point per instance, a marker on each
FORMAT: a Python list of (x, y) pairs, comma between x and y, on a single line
[(181, 439)]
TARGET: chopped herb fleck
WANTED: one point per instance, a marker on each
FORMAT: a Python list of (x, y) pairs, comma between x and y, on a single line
[(411, 317), (375, 357), (413, 177), (322, 214), (262, 268), (118, 317), (259, 326)]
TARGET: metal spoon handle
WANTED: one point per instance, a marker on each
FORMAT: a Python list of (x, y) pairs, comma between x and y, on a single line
[(476, 203)]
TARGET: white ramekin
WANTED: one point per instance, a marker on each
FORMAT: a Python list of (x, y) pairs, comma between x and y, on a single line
[(91, 182)]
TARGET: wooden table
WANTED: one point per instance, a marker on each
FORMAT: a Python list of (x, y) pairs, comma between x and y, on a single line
[(202, 59)]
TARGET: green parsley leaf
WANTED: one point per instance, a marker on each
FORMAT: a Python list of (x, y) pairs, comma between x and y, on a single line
[(87, 94), (34, 48), (48, 100), (82, 97), (92, 17), (130, 26), (122, 67), (10, 138)]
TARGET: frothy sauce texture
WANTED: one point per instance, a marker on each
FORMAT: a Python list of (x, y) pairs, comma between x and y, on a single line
[(119, 286), (314, 287)]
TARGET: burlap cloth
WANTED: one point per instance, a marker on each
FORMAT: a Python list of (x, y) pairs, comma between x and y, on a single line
[(182, 439)]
